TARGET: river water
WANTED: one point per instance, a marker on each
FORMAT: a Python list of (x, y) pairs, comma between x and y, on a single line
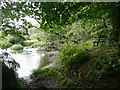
[(28, 58)]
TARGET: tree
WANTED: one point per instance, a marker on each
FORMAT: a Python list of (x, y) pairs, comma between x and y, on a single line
[(55, 15), (115, 18)]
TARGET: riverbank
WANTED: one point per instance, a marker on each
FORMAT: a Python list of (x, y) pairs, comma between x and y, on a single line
[(99, 70), (26, 67)]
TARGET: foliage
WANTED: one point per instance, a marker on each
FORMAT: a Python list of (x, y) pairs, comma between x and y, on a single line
[(87, 21), (44, 61), (53, 16), (55, 13), (72, 56), (41, 43), (29, 42), (105, 63), (39, 35), (48, 72), (9, 78), (15, 39), (5, 44), (16, 47)]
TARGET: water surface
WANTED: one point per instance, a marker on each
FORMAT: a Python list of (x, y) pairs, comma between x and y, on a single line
[(28, 58)]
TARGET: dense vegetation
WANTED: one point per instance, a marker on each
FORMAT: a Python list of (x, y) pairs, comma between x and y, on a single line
[(10, 79), (87, 36)]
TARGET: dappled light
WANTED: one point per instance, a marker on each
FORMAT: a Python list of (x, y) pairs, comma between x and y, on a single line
[(60, 45)]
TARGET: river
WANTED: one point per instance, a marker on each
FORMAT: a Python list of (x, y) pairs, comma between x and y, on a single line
[(28, 58)]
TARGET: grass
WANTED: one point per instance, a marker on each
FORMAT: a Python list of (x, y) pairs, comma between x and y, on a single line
[(49, 72), (44, 61)]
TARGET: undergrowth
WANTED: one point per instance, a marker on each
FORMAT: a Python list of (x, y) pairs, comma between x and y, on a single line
[(71, 56), (104, 61), (49, 72)]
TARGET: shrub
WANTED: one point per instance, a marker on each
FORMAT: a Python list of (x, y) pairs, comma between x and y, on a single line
[(71, 56), (104, 62), (16, 47), (5, 44), (15, 39)]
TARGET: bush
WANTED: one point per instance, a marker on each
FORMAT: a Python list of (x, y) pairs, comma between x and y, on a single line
[(104, 62), (9, 40), (71, 56), (5, 44), (16, 47), (15, 39)]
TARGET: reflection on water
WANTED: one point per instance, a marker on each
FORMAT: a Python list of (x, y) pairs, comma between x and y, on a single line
[(28, 59)]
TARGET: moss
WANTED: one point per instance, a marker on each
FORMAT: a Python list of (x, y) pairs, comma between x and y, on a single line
[(29, 42), (16, 47), (40, 43)]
